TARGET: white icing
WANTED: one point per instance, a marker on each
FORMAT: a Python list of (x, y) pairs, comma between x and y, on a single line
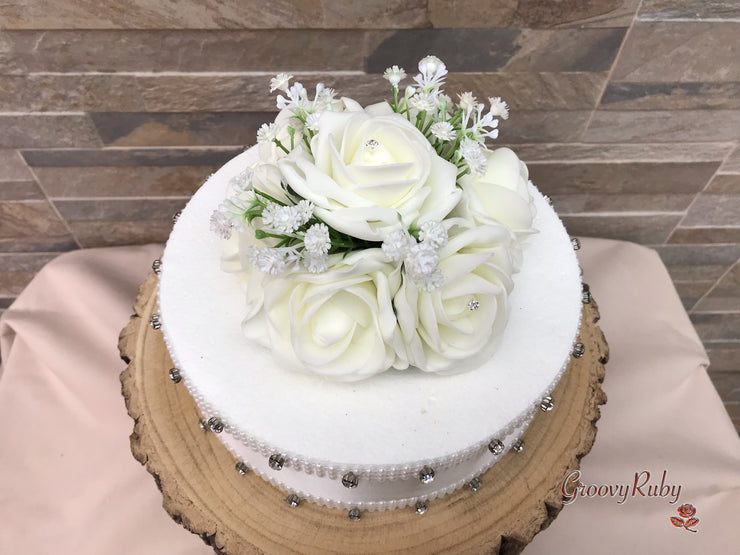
[(385, 428)]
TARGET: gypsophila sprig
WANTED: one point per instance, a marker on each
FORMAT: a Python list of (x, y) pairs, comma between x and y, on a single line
[(499, 107), (422, 266), (445, 124), (280, 82), (466, 101), (317, 240), (266, 133), (221, 224), (394, 75), (420, 260), (443, 130), (433, 233)]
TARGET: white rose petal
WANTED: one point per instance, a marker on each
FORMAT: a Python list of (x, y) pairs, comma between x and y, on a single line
[(443, 334), (267, 179), (339, 323), (501, 194), (366, 174)]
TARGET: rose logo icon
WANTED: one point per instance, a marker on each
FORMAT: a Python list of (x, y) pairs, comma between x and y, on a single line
[(687, 511)]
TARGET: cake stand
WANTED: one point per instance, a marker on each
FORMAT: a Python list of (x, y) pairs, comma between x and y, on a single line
[(241, 513)]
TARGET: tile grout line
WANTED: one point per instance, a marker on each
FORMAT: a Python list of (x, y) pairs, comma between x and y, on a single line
[(121, 199), (612, 68), (53, 205), (686, 213), (712, 288), (301, 73)]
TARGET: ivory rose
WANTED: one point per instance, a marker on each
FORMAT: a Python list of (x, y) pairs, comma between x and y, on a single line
[(501, 194), (339, 323), (371, 172), (445, 328)]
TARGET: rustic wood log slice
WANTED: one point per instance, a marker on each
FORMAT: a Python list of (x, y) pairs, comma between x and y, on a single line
[(236, 513)]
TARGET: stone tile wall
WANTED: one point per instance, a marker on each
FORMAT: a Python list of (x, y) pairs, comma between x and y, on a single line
[(627, 111)]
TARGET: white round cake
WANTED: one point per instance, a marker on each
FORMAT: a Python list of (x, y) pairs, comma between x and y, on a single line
[(397, 438)]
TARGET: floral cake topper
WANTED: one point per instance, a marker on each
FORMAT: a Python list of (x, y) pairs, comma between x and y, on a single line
[(382, 236)]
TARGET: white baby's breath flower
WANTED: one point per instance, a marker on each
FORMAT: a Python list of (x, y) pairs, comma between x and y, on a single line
[(477, 165), (394, 75), (280, 82), (469, 148), (499, 107), (283, 219), (221, 224), (444, 101), (298, 126), (429, 65), (297, 97), (266, 133), (424, 101), (317, 239), (315, 263), (472, 152), (268, 214), (491, 133), (325, 94), (267, 260), (443, 130), (291, 255), (242, 180), (431, 281), (467, 101), (397, 244), (236, 206), (483, 125), (312, 121), (433, 233), (432, 73), (322, 99), (305, 211), (422, 266)]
